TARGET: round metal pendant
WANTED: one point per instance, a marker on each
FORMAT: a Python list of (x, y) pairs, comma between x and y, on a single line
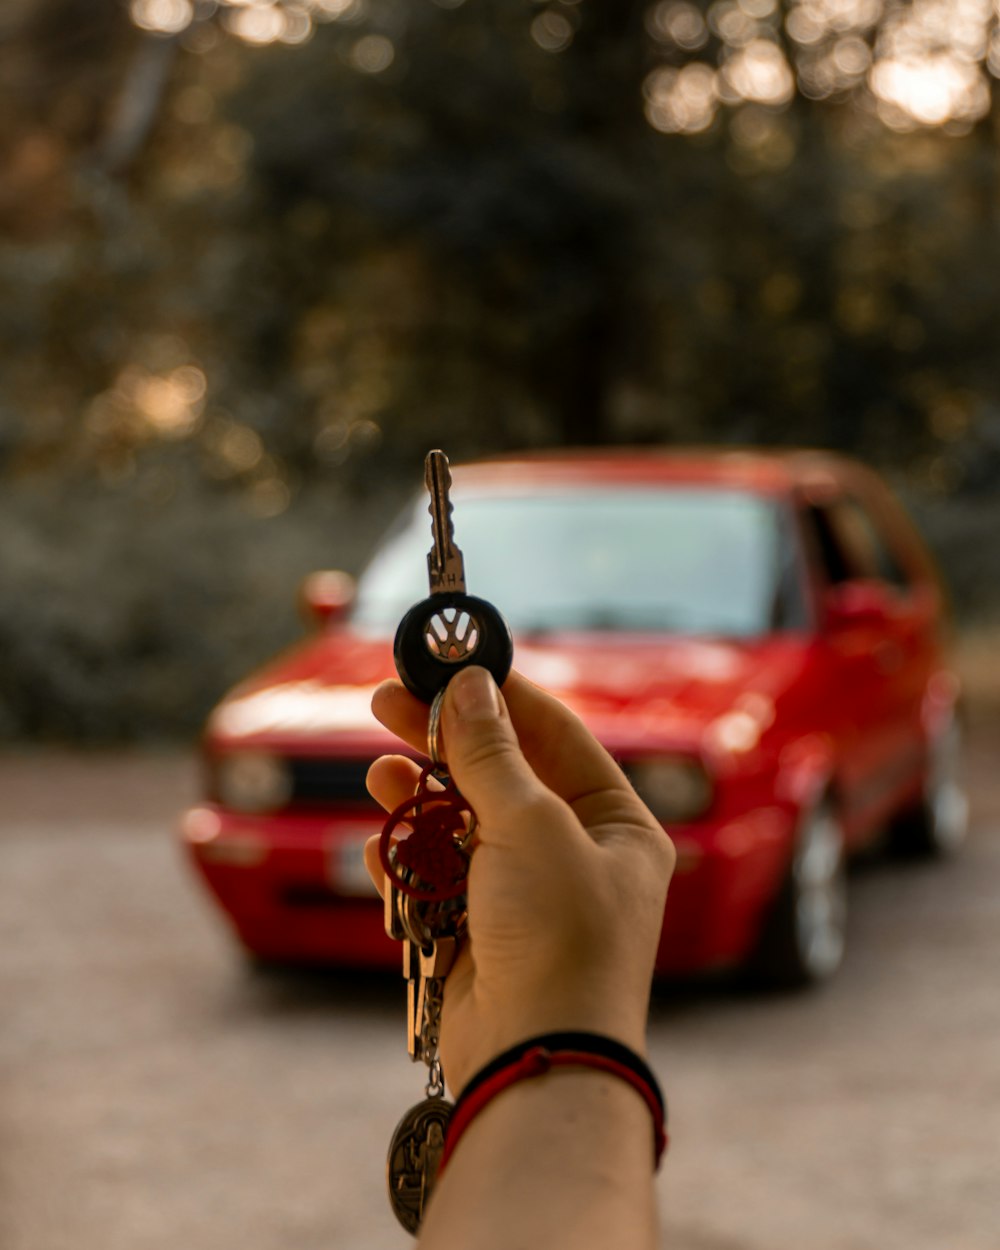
[(414, 1159)]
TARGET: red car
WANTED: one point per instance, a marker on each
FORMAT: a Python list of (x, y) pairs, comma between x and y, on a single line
[(758, 638)]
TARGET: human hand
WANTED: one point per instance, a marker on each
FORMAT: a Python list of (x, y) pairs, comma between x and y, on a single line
[(568, 880)]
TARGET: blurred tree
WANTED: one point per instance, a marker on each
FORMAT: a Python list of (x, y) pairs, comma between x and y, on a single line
[(256, 258)]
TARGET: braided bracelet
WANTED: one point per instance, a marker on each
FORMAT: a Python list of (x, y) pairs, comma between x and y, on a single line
[(538, 1055)]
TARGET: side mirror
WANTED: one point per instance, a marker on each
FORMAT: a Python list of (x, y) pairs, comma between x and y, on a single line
[(326, 596), (856, 603)]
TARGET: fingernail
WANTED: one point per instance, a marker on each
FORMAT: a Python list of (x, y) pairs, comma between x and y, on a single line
[(474, 694)]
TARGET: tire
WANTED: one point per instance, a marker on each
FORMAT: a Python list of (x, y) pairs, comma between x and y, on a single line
[(937, 826), (803, 939)]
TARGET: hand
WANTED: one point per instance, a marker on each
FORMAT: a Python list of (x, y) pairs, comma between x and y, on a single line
[(567, 883)]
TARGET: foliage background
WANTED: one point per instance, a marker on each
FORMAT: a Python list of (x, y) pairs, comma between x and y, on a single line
[(257, 256)]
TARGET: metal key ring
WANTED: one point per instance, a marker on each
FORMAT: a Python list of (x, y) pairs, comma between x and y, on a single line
[(434, 729)]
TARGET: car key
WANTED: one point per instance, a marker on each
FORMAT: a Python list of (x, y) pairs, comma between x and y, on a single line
[(426, 841), (450, 629)]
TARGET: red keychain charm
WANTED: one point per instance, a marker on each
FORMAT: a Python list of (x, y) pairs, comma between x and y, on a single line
[(434, 854)]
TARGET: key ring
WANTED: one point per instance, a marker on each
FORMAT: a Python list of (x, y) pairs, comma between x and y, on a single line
[(435, 1079), (434, 730)]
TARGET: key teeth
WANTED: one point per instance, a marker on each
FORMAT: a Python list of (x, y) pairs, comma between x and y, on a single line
[(437, 479), (445, 563)]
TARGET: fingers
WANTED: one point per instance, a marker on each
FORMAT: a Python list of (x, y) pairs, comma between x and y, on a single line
[(563, 752), (484, 755), (484, 759), (402, 713), (560, 750), (374, 864), (392, 779)]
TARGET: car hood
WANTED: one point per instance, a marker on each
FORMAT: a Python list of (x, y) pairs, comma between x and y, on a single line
[(635, 692)]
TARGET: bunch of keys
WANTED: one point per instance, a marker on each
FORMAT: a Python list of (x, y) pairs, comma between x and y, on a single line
[(426, 870)]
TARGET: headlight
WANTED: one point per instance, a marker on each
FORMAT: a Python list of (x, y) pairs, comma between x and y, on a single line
[(674, 788), (252, 782)]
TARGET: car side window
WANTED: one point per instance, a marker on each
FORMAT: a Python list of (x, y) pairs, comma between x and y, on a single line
[(828, 550), (865, 536), (850, 545), (789, 608)]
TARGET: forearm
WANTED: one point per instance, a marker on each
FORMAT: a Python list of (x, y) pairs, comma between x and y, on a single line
[(561, 1160)]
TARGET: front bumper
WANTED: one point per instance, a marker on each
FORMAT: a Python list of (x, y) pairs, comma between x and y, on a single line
[(293, 886)]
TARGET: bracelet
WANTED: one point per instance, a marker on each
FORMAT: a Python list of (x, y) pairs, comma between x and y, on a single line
[(538, 1055)]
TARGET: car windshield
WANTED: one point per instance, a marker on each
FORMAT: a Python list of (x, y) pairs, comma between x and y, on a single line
[(684, 560)]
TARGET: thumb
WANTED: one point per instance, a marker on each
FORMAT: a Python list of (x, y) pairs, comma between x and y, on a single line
[(483, 753)]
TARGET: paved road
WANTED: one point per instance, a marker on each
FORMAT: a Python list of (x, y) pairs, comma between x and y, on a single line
[(154, 1095)]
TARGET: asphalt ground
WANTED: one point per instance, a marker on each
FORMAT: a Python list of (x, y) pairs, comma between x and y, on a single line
[(155, 1094)]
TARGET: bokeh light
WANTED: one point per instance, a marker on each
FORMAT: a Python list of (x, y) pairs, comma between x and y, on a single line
[(142, 404), (259, 24), (373, 54), (929, 91), (679, 23), (163, 17), (923, 64), (759, 72), (337, 8), (926, 64), (682, 101), (732, 24), (552, 31)]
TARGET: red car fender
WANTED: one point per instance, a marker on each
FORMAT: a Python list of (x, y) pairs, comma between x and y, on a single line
[(940, 703), (806, 768)]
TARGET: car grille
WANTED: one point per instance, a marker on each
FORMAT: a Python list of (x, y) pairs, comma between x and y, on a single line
[(318, 781)]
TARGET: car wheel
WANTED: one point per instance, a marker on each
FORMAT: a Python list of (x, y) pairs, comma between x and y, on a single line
[(937, 826), (802, 942)]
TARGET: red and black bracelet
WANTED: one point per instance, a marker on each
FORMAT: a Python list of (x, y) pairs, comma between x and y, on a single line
[(538, 1055)]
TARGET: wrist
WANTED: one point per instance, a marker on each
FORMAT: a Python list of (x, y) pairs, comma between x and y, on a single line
[(461, 1066), (538, 1057), (562, 1160)]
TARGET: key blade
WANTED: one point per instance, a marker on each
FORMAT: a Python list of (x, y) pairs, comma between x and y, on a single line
[(415, 991), (445, 563), (436, 963)]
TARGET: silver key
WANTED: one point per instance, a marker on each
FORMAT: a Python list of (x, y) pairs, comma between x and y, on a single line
[(436, 963), (393, 912), (429, 1005), (414, 1003), (449, 629), (425, 972), (428, 954), (445, 563), (424, 922)]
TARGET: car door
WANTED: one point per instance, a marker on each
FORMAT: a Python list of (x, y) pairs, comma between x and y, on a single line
[(868, 621), (910, 650)]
